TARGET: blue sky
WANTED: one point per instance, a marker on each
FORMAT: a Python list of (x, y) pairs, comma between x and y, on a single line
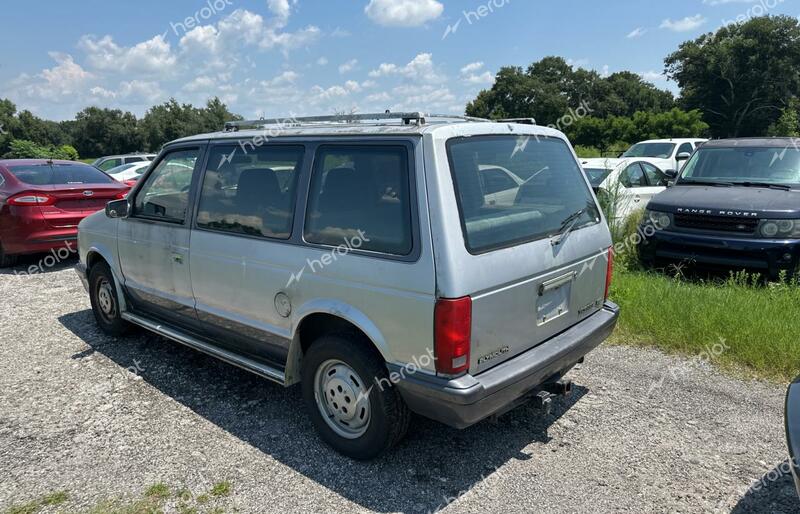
[(295, 57)]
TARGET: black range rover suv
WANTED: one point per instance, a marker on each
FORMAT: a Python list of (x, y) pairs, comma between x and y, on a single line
[(735, 204)]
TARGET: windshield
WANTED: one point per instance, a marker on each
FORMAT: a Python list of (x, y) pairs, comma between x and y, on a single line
[(59, 174), (596, 176), (120, 169), (552, 193), (770, 165), (653, 150)]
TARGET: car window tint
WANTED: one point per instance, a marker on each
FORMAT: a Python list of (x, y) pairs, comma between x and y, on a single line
[(134, 159), (552, 189), (495, 180), (633, 176), (165, 194), (252, 193), (361, 197), (111, 163), (59, 174), (654, 175)]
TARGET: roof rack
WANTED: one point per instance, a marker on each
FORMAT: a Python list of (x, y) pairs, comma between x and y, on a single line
[(406, 117), (521, 121)]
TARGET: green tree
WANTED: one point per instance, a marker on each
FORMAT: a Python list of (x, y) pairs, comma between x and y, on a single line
[(741, 76), (171, 120), (97, 132), (788, 125), (551, 89)]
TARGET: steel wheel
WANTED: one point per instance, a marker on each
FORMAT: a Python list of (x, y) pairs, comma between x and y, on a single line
[(105, 300), (342, 398)]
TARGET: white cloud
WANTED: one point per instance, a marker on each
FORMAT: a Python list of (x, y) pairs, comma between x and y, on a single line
[(652, 76), (148, 57), (470, 74), (684, 25), (403, 13), (636, 33), (471, 68), (63, 81), (420, 68), (322, 61), (348, 66)]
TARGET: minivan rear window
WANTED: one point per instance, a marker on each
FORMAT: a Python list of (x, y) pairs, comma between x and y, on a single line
[(59, 174), (551, 195)]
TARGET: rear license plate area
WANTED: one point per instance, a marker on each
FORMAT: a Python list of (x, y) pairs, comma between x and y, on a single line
[(552, 304)]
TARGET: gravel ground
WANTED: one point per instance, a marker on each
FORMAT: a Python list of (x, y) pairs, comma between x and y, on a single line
[(104, 418)]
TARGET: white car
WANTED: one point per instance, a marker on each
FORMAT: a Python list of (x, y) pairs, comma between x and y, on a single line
[(500, 186), (633, 181), (667, 154), (129, 171)]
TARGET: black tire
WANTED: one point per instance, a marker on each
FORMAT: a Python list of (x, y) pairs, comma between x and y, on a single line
[(6, 261), (105, 301), (389, 416)]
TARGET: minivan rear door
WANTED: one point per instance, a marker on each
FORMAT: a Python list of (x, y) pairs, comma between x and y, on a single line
[(534, 266)]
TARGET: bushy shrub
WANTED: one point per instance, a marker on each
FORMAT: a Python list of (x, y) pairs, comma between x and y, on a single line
[(22, 149)]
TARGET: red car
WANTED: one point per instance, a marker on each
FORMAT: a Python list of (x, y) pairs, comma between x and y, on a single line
[(42, 202)]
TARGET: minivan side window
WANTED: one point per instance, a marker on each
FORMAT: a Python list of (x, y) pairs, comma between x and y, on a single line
[(165, 194), (251, 192), (361, 197)]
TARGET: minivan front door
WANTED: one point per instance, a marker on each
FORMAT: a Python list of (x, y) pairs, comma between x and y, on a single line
[(154, 240)]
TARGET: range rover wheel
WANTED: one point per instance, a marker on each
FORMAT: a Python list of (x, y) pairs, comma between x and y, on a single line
[(350, 399), (6, 261), (105, 303)]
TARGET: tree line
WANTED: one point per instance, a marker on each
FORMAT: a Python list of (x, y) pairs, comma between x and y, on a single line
[(96, 131), (742, 80)]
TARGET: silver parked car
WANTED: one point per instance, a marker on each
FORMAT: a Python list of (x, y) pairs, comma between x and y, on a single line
[(361, 259)]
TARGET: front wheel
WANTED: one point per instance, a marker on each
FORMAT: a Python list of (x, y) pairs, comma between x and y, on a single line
[(350, 399), (105, 302)]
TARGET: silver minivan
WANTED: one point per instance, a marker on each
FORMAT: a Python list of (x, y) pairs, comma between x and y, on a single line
[(389, 264)]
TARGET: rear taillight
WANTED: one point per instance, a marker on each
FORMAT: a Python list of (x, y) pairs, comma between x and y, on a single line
[(609, 271), (452, 335), (130, 183), (31, 199)]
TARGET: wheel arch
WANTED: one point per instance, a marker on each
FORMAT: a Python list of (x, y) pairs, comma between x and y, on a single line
[(330, 317), (98, 254)]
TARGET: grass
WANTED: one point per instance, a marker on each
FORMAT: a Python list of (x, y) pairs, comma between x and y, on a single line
[(755, 323), (156, 499), (52, 499)]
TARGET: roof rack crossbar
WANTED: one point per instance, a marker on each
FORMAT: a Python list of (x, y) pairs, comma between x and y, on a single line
[(406, 117), (521, 121)]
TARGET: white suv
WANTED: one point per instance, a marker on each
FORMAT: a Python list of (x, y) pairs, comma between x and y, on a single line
[(667, 154)]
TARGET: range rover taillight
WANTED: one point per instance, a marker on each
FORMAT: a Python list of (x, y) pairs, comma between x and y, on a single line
[(609, 271), (452, 335)]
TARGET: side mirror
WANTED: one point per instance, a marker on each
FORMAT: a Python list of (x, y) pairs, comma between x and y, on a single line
[(118, 209), (683, 156), (671, 174)]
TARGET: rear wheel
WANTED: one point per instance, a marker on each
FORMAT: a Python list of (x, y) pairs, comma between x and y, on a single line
[(348, 395), (105, 302), (6, 261)]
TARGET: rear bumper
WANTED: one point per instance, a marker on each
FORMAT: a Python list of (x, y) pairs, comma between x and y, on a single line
[(32, 234), (793, 429), (466, 400), (770, 256)]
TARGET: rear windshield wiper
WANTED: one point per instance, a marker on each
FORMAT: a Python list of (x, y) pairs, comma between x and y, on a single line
[(770, 185), (567, 226)]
